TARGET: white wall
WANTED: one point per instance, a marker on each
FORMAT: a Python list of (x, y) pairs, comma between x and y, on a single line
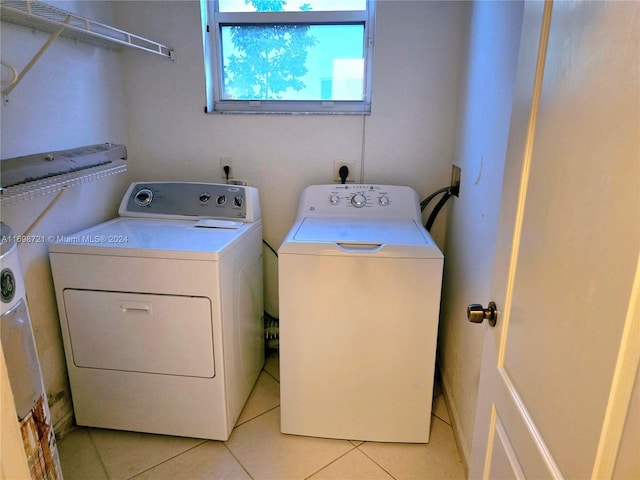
[(407, 139), (480, 149), (73, 96)]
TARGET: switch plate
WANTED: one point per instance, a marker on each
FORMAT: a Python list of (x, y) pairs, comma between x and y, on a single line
[(456, 171), (350, 164), (226, 161)]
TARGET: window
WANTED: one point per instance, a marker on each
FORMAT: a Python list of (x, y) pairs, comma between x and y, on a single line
[(288, 56)]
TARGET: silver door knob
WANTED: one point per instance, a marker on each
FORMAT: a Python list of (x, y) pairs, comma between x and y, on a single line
[(476, 313)]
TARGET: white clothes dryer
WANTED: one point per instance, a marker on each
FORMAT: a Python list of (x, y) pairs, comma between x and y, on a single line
[(359, 283), (161, 310)]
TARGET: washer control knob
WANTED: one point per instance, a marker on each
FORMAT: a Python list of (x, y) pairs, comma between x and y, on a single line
[(221, 199), (144, 197), (383, 200), (334, 199), (358, 200), (238, 201), (205, 197)]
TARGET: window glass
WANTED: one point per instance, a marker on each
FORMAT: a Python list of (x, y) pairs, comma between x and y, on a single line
[(293, 62), (291, 5), (288, 56)]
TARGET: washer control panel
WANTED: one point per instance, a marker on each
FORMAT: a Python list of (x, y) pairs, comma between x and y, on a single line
[(186, 200), (366, 196), (375, 201)]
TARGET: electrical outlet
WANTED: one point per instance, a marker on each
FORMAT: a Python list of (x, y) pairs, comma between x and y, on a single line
[(351, 165), (226, 162), (456, 171)]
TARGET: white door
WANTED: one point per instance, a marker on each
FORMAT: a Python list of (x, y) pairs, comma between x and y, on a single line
[(559, 366)]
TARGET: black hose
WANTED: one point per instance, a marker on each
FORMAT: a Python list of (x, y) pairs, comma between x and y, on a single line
[(270, 247), (268, 316), (436, 210), (425, 202)]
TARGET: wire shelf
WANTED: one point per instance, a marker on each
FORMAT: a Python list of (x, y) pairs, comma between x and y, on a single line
[(41, 16), (54, 184)]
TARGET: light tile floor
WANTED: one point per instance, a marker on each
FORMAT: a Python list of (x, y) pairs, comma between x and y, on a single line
[(257, 450)]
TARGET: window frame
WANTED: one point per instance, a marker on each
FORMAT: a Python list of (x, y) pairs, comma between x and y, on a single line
[(213, 20)]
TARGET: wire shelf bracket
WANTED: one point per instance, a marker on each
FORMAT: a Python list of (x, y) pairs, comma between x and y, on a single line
[(47, 18)]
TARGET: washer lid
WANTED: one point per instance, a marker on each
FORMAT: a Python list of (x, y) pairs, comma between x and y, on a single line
[(380, 237), (393, 231), (142, 237)]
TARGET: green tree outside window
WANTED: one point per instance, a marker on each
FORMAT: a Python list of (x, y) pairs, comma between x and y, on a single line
[(267, 60)]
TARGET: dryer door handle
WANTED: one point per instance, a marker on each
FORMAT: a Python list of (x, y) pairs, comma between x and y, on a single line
[(359, 247), (128, 306)]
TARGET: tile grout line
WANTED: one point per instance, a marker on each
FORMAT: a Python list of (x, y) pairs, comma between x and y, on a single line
[(237, 460), (332, 462), (266, 411), (95, 447), (441, 419), (253, 418), (170, 458), (274, 378), (268, 373), (245, 423), (365, 454), (433, 413)]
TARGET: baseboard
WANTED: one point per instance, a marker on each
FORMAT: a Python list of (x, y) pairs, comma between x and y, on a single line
[(461, 441), (64, 425)]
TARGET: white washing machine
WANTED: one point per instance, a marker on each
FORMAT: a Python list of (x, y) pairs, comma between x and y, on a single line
[(161, 310), (359, 283)]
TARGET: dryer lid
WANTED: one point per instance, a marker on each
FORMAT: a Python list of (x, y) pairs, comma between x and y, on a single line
[(144, 237)]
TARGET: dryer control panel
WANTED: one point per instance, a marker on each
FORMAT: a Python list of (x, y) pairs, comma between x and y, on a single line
[(187, 200), (362, 201)]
